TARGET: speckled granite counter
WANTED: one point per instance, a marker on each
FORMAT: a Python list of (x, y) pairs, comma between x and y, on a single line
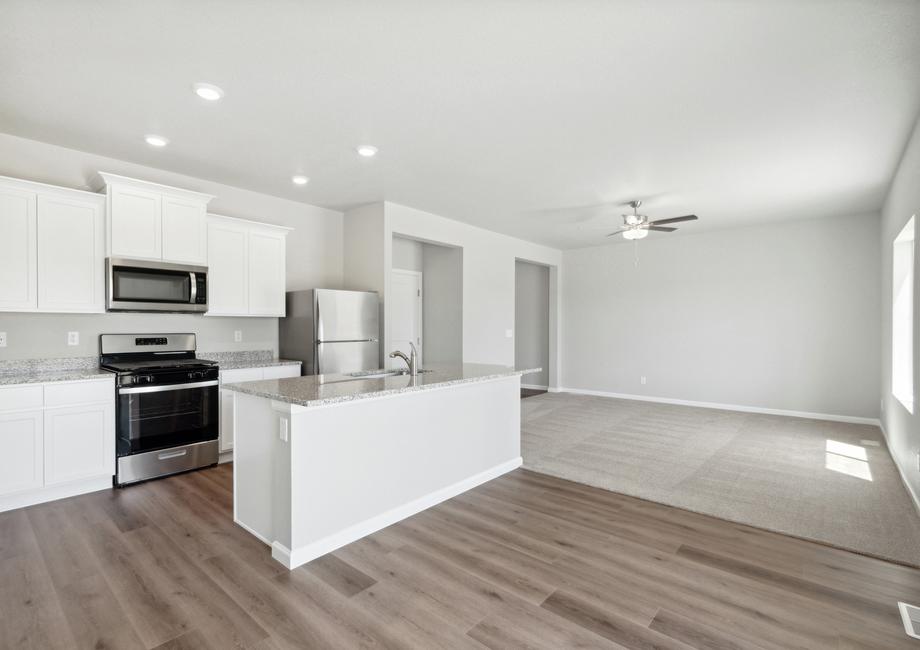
[(320, 390), (246, 359), (43, 371)]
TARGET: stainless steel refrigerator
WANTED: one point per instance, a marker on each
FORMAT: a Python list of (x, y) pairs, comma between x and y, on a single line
[(331, 331)]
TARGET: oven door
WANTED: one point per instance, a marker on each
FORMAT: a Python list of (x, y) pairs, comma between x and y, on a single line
[(158, 417), (140, 285)]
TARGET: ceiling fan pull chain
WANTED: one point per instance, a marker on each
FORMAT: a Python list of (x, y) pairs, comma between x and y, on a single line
[(636, 249)]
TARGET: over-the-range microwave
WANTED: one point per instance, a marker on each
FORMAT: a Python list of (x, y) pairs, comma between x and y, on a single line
[(144, 285)]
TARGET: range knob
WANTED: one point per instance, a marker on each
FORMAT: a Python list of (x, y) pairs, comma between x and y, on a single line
[(147, 379)]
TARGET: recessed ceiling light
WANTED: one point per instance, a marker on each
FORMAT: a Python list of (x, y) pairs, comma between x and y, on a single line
[(367, 150), (156, 140), (300, 180), (209, 92)]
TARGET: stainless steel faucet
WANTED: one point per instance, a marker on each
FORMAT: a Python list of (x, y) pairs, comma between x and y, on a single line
[(411, 362)]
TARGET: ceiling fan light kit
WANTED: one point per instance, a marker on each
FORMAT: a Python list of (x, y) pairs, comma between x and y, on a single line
[(636, 226)]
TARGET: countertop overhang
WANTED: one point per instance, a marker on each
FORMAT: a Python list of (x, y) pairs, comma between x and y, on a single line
[(322, 390)]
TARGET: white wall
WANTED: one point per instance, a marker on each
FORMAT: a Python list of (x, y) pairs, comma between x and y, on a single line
[(408, 254), (314, 255), (531, 321), (442, 303), (488, 280), (781, 316), (902, 428)]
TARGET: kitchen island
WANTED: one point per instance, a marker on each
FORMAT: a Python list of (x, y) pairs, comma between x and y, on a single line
[(321, 461)]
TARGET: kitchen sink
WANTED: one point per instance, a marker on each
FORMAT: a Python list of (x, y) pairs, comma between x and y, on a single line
[(376, 374)]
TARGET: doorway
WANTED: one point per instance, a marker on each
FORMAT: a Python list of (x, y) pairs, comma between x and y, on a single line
[(407, 313), (532, 325)]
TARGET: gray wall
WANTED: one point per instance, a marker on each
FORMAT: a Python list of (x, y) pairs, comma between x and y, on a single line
[(45, 335), (407, 254), (902, 428), (442, 303), (531, 321), (782, 316)]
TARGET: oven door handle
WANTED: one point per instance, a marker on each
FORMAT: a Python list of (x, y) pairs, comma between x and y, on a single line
[(163, 389)]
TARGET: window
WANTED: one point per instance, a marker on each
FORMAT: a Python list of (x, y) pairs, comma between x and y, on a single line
[(902, 317)]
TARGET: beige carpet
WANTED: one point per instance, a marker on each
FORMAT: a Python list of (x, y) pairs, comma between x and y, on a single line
[(809, 478)]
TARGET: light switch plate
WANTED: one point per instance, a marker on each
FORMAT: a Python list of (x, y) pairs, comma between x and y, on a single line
[(2, 339), (509, 334), (73, 338)]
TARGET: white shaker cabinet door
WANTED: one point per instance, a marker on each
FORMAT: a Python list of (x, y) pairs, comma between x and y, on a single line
[(266, 273), (79, 442), (226, 401), (71, 255), (136, 223), (228, 248), (184, 231), (21, 461), (18, 251)]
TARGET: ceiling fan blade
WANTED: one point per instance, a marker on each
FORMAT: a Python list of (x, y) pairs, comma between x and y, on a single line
[(660, 228), (689, 217), (617, 232)]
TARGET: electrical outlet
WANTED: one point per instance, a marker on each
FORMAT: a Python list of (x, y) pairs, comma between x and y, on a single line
[(509, 334), (642, 380), (237, 335), (73, 338), (2, 339)]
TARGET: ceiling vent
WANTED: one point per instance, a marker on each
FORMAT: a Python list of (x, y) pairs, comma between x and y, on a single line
[(910, 615)]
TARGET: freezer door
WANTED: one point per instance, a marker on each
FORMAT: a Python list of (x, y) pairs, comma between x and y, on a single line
[(346, 315), (351, 356)]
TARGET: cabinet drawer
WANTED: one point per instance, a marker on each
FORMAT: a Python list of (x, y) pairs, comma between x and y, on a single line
[(21, 398), (277, 372), (240, 374), (80, 392)]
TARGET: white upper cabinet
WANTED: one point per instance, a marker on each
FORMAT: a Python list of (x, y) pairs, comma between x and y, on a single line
[(228, 274), (52, 248), (185, 230), (71, 253), (157, 222), (266, 272), (246, 267), (18, 249), (137, 230)]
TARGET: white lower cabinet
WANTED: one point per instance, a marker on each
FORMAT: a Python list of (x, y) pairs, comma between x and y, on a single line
[(21, 459), (226, 397), (62, 442), (79, 443)]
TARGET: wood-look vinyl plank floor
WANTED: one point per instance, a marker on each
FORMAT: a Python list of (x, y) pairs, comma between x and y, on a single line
[(524, 561)]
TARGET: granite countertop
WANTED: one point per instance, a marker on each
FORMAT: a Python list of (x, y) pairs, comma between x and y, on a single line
[(42, 371), (320, 390), (246, 359)]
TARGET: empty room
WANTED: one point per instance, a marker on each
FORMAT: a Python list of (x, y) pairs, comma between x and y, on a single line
[(474, 325)]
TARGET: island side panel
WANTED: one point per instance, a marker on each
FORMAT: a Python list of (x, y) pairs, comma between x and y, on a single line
[(255, 448), (359, 466)]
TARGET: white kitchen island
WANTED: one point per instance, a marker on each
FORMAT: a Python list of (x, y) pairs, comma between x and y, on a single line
[(321, 461)]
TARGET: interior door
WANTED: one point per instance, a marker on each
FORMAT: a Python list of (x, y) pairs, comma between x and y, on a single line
[(405, 314)]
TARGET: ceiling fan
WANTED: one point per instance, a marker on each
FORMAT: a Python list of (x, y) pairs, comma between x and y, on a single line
[(636, 226)]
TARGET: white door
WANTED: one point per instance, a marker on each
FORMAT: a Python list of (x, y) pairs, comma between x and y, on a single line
[(18, 266), (266, 273), (136, 222), (228, 277), (405, 314), (79, 442), (71, 255), (184, 231), (21, 461)]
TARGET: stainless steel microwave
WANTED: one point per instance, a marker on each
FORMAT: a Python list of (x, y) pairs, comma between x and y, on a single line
[(143, 285)]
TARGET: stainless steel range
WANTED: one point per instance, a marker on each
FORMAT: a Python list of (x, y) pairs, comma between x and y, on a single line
[(166, 407)]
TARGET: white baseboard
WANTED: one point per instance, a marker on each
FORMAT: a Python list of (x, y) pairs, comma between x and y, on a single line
[(914, 497), (534, 386), (293, 558), (852, 419), (53, 493)]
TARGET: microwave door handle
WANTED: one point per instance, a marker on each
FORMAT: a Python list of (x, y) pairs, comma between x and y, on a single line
[(194, 293)]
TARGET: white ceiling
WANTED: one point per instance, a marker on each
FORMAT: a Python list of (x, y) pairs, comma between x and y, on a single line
[(493, 113)]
